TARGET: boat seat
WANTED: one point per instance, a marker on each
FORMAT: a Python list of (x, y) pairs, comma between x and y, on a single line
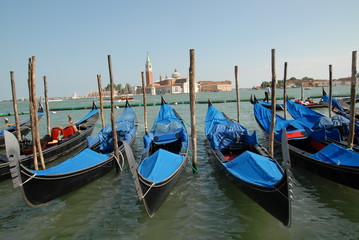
[(69, 130), (56, 132)]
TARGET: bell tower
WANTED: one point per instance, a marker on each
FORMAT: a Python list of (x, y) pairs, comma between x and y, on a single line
[(149, 77)]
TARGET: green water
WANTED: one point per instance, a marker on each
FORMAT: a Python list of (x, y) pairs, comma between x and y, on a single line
[(201, 206)]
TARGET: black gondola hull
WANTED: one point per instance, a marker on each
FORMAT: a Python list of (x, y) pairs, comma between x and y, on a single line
[(40, 190), (78, 141), (348, 176), (275, 201), (155, 195)]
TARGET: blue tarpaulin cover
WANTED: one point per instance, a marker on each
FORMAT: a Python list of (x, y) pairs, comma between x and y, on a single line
[(125, 125), (84, 159), (338, 155), (167, 128), (307, 116), (21, 123), (90, 114), (222, 133), (336, 104), (254, 168), (160, 165), (314, 120), (264, 116)]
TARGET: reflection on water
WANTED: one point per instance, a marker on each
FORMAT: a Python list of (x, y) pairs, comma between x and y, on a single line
[(201, 206)]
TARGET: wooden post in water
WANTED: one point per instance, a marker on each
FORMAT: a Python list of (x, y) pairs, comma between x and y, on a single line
[(192, 92), (353, 100), (274, 101), (285, 90), (32, 118), (37, 132), (101, 100), (237, 92), (33, 105), (330, 90), (144, 102), (113, 121), (47, 109), (14, 100)]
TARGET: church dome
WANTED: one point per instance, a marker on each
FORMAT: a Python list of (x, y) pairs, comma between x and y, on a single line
[(175, 74)]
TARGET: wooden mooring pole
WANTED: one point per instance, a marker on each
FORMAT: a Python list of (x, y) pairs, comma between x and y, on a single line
[(237, 93), (47, 109), (271, 133), (353, 100), (14, 100), (144, 102), (285, 90), (192, 91), (34, 120), (113, 121), (101, 100), (330, 89)]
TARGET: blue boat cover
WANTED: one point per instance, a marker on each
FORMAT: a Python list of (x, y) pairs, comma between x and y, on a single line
[(336, 104), (223, 133), (314, 120), (21, 123), (125, 126), (264, 117), (84, 159), (338, 155), (307, 116), (167, 128), (255, 169), (90, 114), (160, 165)]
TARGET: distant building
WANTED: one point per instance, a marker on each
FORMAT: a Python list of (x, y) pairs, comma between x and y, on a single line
[(177, 84), (218, 86), (149, 76)]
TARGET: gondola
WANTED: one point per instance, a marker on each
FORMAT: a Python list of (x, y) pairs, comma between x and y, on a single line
[(336, 128), (42, 186), (340, 107), (269, 105), (248, 164), (61, 142), (163, 160), (308, 149), (280, 107), (25, 127)]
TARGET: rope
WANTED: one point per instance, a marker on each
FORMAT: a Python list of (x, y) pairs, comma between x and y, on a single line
[(144, 195), (118, 161), (27, 180), (123, 159), (188, 125), (190, 163)]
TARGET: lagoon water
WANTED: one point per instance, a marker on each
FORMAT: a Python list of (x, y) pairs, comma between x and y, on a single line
[(204, 205)]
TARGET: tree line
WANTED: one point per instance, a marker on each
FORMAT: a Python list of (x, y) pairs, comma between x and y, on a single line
[(297, 82), (118, 87)]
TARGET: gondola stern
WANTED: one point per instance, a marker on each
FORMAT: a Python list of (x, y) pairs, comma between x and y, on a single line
[(324, 92), (133, 168), (13, 155), (127, 104), (163, 101), (209, 102), (94, 106)]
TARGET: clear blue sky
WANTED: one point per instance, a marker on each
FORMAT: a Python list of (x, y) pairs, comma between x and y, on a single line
[(72, 38)]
